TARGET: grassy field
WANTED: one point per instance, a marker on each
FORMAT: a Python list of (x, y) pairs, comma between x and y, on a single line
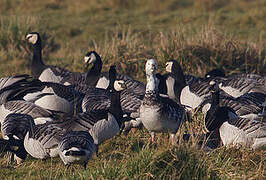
[(200, 34)]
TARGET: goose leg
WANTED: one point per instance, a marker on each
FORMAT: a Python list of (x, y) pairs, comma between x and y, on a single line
[(67, 166), (152, 137), (97, 150), (172, 139), (85, 165)]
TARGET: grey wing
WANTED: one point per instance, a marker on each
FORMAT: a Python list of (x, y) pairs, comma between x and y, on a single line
[(48, 135), (79, 139), (16, 124), (29, 108), (130, 103), (96, 99), (253, 128)]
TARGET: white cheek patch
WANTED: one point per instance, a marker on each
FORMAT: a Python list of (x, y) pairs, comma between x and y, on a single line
[(119, 85), (86, 59), (169, 67), (32, 38)]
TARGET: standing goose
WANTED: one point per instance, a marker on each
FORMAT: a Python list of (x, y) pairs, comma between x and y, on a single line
[(159, 114), (76, 147), (234, 130), (14, 128)]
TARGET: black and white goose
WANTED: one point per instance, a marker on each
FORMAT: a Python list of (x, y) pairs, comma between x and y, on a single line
[(137, 87), (102, 124), (249, 105), (81, 81), (14, 128), (159, 114), (48, 95), (175, 80), (41, 141), (76, 147), (234, 130)]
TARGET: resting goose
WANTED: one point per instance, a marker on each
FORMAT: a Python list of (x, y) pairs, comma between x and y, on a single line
[(102, 124), (137, 87), (14, 128), (41, 141), (234, 130), (159, 114), (39, 114), (76, 147), (48, 95), (175, 80), (248, 105), (81, 81)]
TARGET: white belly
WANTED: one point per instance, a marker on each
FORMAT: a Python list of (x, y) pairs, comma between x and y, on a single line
[(189, 99), (156, 122), (48, 76)]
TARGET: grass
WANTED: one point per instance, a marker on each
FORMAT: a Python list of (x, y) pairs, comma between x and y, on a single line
[(201, 35)]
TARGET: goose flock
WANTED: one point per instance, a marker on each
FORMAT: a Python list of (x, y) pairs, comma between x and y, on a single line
[(55, 112)]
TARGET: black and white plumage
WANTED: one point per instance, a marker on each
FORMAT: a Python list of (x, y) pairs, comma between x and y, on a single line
[(38, 69), (7, 81), (48, 95), (39, 114), (175, 80), (234, 130), (14, 128), (41, 141), (102, 124), (81, 81), (237, 86), (76, 147), (159, 114), (137, 87)]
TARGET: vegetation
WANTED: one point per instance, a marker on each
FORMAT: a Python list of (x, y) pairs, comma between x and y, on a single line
[(200, 34)]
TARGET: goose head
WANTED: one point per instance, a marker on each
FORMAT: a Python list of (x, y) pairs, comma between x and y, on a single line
[(120, 85), (91, 58), (151, 66), (215, 73), (33, 38), (169, 66)]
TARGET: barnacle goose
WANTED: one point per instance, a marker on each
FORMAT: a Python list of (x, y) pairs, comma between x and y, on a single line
[(102, 124), (248, 105), (137, 87), (81, 81), (175, 80), (234, 130), (48, 95), (76, 147), (157, 113), (14, 128), (41, 141), (41, 71)]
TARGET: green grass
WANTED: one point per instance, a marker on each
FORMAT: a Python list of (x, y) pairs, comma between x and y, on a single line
[(200, 34)]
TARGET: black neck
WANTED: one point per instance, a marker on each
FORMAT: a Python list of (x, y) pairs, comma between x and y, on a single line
[(115, 107), (216, 115), (37, 66), (94, 73)]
